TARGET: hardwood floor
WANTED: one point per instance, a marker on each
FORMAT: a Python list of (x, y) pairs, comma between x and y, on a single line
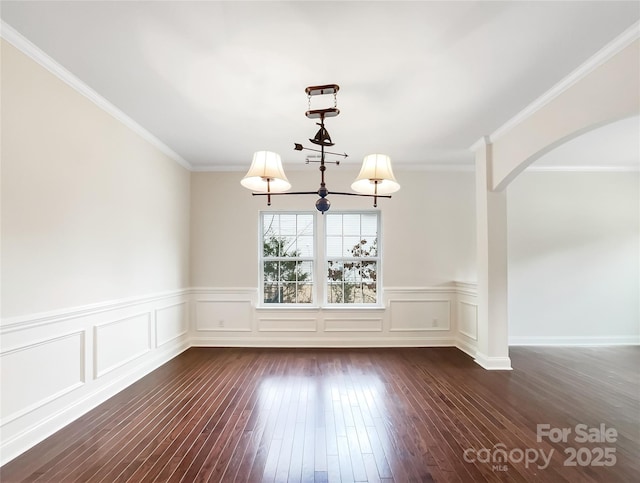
[(355, 415)]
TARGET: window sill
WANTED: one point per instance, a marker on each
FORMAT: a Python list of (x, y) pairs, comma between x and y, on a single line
[(318, 308)]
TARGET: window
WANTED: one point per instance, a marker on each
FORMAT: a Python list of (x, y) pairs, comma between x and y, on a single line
[(344, 271), (287, 258), (352, 258)]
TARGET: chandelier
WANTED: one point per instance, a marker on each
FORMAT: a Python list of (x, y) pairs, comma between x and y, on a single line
[(266, 176)]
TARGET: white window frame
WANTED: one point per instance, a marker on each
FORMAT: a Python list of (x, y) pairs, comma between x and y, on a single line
[(313, 258), (377, 259), (320, 263)]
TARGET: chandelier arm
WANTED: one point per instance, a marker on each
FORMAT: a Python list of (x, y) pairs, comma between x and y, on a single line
[(289, 193), (355, 194)]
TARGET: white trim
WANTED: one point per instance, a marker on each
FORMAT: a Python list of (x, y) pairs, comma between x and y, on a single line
[(441, 289), (29, 437), (466, 347), (97, 345), (583, 169), (426, 166), (324, 342), (493, 363), (573, 341), (603, 55), (22, 322), (82, 366), (480, 143), (28, 48)]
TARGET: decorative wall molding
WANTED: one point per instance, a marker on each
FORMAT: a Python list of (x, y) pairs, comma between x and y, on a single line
[(112, 350), (223, 315), (22, 322), (279, 324), (342, 324), (493, 363), (468, 319), (599, 58), (97, 350), (323, 343), (574, 340), (31, 50), (583, 169), (409, 317), (46, 388), (419, 315), (157, 327), (171, 322)]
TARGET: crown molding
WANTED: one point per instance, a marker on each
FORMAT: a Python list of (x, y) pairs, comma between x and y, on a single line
[(20, 42), (583, 169), (480, 143), (623, 40)]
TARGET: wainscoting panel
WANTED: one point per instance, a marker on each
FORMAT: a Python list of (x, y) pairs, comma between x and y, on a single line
[(224, 315), (343, 324), (38, 373), (171, 322), (120, 341), (468, 319), (420, 315), (287, 324), (57, 366)]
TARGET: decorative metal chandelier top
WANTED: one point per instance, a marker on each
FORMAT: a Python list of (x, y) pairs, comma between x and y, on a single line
[(266, 176)]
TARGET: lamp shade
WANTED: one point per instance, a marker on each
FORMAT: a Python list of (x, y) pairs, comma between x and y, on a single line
[(266, 174), (376, 176)]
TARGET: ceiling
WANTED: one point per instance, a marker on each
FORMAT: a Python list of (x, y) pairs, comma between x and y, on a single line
[(420, 81)]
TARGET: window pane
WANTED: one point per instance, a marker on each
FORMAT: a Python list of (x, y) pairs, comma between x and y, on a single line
[(305, 246), (288, 271), (335, 271), (351, 244), (289, 293), (369, 246), (333, 224), (271, 271), (289, 246), (287, 224), (334, 246), (351, 224), (351, 274), (369, 223), (271, 293), (335, 293), (305, 293), (350, 290), (269, 225), (305, 225), (305, 271), (369, 293), (368, 271), (289, 236)]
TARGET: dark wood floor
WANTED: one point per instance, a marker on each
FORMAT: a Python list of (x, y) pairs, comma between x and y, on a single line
[(354, 415)]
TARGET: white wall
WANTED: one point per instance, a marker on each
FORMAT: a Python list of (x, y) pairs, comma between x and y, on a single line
[(90, 211), (428, 226), (95, 229), (428, 244), (574, 264)]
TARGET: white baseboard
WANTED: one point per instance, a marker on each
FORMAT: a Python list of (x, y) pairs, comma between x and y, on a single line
[(574, 341), (466, 347), (493, 363), (322, 343)]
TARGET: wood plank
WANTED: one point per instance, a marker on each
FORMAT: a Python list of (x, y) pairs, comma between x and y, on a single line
[(348, 415)]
